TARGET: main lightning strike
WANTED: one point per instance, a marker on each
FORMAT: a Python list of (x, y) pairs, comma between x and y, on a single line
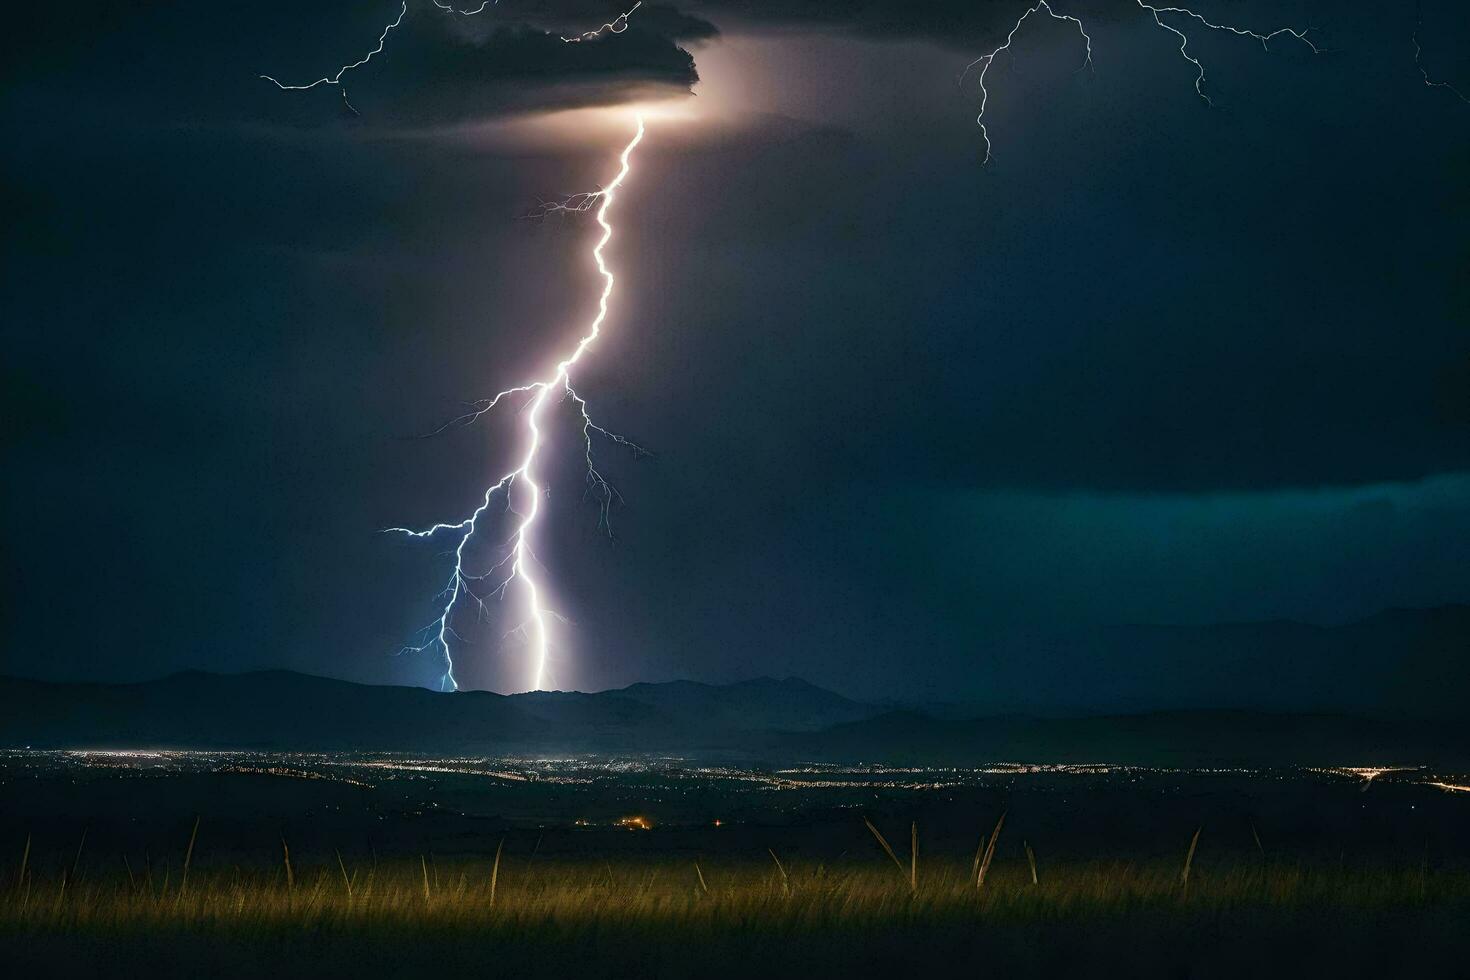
[(985, 61), (534, 396), (462, 584)]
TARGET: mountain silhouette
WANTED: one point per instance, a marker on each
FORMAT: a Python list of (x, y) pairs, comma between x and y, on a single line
[(1385, 690)]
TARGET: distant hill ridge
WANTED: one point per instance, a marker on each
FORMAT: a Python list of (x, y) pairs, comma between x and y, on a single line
[(283, 709), (1409, 667)]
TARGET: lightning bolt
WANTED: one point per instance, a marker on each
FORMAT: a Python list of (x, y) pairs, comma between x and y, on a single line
[(517, 565), (337, 78), (533, 396), (464, 586), (1199, 78), (450, 8), (617, 25), (985, 61), (578, 203), (1419, 64)]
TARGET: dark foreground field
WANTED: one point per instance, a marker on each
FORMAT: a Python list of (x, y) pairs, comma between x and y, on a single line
[(260, 865), (656, 919)]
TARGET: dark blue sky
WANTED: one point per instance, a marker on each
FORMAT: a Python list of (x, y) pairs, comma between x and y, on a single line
[(1153, 363)]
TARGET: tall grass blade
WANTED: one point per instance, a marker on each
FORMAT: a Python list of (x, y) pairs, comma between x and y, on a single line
[(785, 881), (495, 871), (914, 857), (345, 880), (702, 885), (25, 859), (286, 857), (78, 859), (1188, 863), (1031, 860), (189, 856), (887, 849), (425, 866), (989, 853)]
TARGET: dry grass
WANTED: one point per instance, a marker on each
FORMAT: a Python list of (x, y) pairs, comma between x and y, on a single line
[(507, 890), (596, 917)]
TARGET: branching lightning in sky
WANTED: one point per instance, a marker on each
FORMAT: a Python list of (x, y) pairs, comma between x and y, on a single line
[(577, 203), (517, 566), (986, 60), (450, 8), (1158, 14), (514, 565), (617, 25), (1199, 78), (1419, 64), (337, 78)]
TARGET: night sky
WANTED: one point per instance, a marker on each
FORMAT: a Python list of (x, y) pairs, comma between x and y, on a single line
[(1153, 363)]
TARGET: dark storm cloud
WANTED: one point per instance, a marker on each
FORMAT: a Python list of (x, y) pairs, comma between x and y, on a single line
[(434, 67), (575, 17), (939, 19), (441, 72), (1242, 331), (953, 23)]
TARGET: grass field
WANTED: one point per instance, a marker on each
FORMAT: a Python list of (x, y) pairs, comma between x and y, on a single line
[(688, 918), (394, 874)]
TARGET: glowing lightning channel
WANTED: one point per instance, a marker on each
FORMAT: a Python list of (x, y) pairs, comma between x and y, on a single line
[(337, 78), (578, 203), (617, 25), (986, 60), (519, 556), (450, 8), (1199, 78), (1419, 63)]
